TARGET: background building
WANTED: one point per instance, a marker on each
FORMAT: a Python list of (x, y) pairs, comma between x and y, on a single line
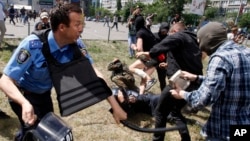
[(231, 5), (226, 6), (111, 4)]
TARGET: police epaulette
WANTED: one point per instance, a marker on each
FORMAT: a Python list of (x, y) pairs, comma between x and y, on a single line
[(35, 44)]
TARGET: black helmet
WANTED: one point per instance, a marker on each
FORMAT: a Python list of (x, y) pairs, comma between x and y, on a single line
[(50, 128)]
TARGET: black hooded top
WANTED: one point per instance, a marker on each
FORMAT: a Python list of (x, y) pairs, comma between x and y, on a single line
[(184, 48), (158, 35), (147, 36)]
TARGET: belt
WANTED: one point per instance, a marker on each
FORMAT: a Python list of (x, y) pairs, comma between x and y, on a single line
[(24, 91)]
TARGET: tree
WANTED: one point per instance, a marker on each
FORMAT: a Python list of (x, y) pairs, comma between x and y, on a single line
[(211, 12), (164, 9), (103, 12), (129, 8), (118, 5), (191, 19), (245, 20), (91, 10), (175, 6)]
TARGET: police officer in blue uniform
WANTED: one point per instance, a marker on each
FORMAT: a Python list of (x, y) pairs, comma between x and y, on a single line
[(26, 79)]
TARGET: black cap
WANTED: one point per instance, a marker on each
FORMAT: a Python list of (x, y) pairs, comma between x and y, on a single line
[(164, 25)]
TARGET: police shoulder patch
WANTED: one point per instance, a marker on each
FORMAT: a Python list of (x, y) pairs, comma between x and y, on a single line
[(22, 56), (35, 44)]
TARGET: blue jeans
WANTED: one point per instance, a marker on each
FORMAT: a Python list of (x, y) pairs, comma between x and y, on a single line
[(131, 40)]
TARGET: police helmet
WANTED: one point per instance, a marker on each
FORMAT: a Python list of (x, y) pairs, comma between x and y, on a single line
[(50, 128)]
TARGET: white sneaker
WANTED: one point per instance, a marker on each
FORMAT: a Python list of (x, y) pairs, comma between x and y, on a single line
[(150, 84)]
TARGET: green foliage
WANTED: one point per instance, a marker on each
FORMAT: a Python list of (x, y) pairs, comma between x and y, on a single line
[(211, 12), (175, 6), (158, 8), (129, 8), (232, 15), (244, 20), (102, 12), (165, 9), (161, 17), (8, 46), (118, 5), (91, 11), (125, 12), (188, 1), (95, 49), (191, 19)]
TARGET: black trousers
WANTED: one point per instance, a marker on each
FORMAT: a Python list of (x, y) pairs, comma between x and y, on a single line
[(168, 104), (12, 19), (115, 25), (42, 104), (161, 77)]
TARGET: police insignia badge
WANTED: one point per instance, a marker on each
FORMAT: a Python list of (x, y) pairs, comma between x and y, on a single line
[(22, 56)]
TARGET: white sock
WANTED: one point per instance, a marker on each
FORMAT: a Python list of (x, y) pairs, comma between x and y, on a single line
[(140, 73)]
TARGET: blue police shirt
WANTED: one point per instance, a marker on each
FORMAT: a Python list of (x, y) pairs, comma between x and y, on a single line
[(28, 68)]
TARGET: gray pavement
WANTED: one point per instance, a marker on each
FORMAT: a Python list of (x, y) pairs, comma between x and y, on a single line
[(92, 31)]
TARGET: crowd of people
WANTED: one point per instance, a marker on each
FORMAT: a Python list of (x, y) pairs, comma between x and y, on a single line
[(23, 16), (27, 79), (180, 49)]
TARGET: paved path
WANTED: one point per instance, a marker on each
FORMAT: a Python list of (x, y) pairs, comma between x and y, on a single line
[(92, 31)]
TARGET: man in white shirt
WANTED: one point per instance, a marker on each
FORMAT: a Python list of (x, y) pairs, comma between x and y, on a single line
[(231, 35), (2, 22), (235, 36)]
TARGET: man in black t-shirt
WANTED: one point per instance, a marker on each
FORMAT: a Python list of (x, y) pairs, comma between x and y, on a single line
[(12, 14)]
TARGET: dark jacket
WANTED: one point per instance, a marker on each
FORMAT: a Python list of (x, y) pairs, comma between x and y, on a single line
[(11, 12), (184, 50)]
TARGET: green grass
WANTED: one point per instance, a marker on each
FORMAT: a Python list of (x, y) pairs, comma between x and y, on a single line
[(96, 123)]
